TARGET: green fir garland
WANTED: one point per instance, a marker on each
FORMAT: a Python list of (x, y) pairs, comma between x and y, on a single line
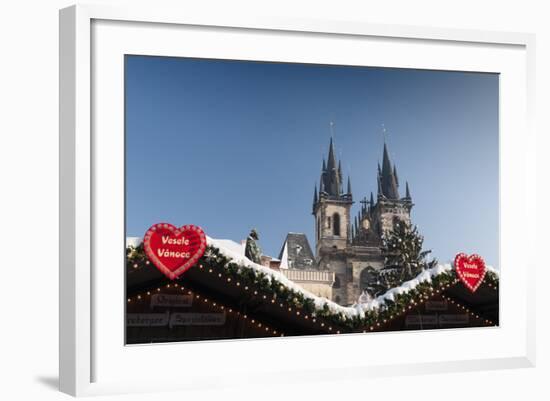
[(274, 289)]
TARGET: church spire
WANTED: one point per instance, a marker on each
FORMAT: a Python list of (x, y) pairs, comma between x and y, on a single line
[(349, 186), (388, 178), (386, 164), (331, 157), (332, 181)]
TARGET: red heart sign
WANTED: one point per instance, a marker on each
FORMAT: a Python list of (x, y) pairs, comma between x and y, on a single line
[(174, 250), (470, 269)]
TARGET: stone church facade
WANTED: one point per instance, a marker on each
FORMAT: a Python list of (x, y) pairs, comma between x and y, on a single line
[(345, 245)]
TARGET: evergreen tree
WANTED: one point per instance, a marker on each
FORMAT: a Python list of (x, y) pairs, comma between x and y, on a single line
[(376, 284), (404, 258)]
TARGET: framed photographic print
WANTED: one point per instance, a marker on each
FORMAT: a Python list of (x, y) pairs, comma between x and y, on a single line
[(260, 189)]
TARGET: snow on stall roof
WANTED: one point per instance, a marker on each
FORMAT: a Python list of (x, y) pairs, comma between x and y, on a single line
[(493, 270), (356, 309), (133, 241), (230, 245), (273, 274), (235, 252)]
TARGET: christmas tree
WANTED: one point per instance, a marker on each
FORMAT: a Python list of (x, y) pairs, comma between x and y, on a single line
[(404, 258), (376, 284)]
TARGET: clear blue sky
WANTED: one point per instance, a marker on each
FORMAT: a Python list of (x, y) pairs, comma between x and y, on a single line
[(232, 145)]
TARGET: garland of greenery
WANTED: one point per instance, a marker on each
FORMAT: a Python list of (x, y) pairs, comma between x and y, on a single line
[(271, 287)]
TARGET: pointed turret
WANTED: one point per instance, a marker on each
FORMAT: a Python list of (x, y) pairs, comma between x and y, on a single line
[(371, 199), (315, 199), (407, 191), (340, 180), (395, 175), (349, 186)]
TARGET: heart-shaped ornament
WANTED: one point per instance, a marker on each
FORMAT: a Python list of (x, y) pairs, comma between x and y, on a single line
[(470, 270), (174, 250)]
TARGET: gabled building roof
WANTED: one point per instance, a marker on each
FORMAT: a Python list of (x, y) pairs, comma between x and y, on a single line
[(296, 252)]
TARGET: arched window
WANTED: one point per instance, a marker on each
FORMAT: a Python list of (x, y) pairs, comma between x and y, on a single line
[(336, 224), (336, 282)]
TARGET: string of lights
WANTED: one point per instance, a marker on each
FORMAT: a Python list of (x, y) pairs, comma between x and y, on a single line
[(323, 320), (465, 309), (211, 303)]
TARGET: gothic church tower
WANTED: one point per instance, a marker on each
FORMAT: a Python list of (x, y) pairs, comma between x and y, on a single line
[(390, 208), (351, 248), (331, 207)]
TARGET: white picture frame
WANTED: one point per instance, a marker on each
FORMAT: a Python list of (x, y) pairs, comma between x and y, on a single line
[(91, 35)]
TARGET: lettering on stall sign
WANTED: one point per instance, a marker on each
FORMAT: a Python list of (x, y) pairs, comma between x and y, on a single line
[(197, 319), (171, 300), (436, 305), (147, 319), (417, 320), (458, 319)]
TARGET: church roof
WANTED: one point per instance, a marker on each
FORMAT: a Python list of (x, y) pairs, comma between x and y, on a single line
[(331, 175), (298, 252), (387, 178)]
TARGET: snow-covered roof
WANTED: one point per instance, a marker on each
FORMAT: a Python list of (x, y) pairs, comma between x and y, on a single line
[(235, 252), (296, 252), (232, 246), (133, 241), (349, 311), (244, 261)]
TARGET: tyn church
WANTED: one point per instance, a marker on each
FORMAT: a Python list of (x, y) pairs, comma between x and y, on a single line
[(349, 247)]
